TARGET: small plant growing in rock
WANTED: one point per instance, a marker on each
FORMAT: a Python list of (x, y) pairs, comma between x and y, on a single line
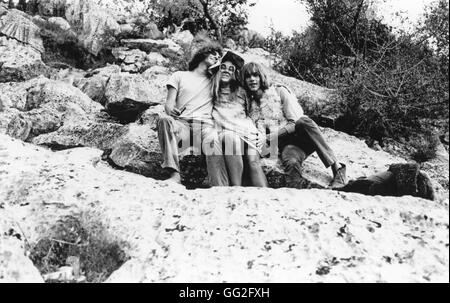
[(425, 147), (80, 237)]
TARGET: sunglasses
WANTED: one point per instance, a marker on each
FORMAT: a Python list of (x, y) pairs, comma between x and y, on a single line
[(231, 68)]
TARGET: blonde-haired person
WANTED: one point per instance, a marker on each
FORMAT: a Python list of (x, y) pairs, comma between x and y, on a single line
[(276, 111), (237, 131)]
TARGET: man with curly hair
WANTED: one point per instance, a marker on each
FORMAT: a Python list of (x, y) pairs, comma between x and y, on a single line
[(189, 120)]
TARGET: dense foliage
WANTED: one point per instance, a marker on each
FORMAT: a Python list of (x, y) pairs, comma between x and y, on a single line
[(223, 18), (394, 84)]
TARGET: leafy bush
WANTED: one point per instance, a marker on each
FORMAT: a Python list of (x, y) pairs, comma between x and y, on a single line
[(395, 95), (393, 85)]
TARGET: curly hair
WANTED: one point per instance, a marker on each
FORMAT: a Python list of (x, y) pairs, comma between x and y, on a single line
[(253, 68), (202, 54)]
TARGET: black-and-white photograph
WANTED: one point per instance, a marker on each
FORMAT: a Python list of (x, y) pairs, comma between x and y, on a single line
[(224, 141)]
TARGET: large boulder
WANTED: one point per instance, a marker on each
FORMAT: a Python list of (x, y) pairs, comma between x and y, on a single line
[(151, 31), (91, 134), (61, 94), (41, 106), (97, 26), (120, 9), (171, 234), (135, 60), (94, 82), (156, 59), (70, 76), (128, 95), (59, 22), (19, 26), (133, 147), (131, 61), (183, 38), (19, 61), (13, 124)]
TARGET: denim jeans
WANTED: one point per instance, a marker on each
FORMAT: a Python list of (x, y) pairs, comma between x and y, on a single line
[(201, 136), (297, 146)]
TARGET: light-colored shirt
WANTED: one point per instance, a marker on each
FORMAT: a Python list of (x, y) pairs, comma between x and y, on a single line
[(278, 110), (291, 108), (193, 92)]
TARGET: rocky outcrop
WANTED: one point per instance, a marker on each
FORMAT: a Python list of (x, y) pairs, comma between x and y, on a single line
[(224, 234), (41, 106), (70, 76), (132, 147), (136, 61), (166, 47), (59, 22), (19, 26), (19, 62), (128, 95), (97, 26), (94, 82), (135, 147), (151, 31), (183, 38), (125, 89), (122, 10)]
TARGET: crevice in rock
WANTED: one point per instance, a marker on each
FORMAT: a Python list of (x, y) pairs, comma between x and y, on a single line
[(58, 147), (81, 242)]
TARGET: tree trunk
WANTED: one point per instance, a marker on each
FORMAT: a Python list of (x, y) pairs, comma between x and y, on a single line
[(22, 5), (217, 29)]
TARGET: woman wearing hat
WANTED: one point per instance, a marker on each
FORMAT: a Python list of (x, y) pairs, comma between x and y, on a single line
[(237, 131)]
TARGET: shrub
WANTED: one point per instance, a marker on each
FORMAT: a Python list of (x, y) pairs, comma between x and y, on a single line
[(425, 146), (392, 84), (397, 94)]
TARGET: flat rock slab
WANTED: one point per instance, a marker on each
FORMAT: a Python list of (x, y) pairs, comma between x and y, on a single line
[(166, 47), (19, 26), (226, 234)]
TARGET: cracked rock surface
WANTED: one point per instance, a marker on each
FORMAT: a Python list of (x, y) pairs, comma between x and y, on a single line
[(225, 234)]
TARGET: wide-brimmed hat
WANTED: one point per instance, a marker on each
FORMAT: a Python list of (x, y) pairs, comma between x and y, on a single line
[(234, 58)]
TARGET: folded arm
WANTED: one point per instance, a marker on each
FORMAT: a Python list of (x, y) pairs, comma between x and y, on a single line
[(292, 112)]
